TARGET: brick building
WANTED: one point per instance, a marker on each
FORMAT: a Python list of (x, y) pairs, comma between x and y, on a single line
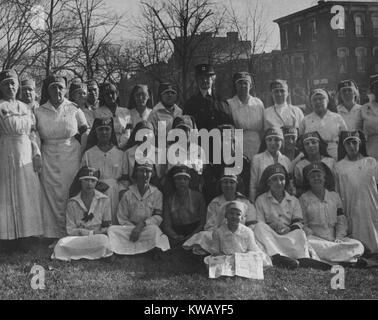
[(315, 55)]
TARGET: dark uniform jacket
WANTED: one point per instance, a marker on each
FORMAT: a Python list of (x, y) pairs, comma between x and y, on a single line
[(208, 112)]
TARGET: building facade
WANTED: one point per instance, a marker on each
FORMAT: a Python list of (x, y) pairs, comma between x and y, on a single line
[(314, 54)]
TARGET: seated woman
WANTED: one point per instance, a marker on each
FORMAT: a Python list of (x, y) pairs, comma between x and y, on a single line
[(325, 223), (103, 153), (88, 216), (184, 209), (130, 153), (313, 149), (201, 243), (140, 215), (280, 222), (269, 154)]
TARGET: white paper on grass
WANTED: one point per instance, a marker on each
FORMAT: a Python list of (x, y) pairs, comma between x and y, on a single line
[(247, 265)]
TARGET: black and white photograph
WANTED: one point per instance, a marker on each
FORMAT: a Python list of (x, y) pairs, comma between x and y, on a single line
[(188, 155)]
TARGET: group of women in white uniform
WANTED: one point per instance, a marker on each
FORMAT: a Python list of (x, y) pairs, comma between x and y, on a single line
[(69, 171)]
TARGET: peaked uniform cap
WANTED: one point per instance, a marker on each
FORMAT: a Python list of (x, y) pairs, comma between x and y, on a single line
[(204, 69)]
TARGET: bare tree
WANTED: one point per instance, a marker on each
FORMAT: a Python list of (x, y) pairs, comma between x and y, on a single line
[(96, 24), (17, 37), (115, 62), (178, 24), (251, 22)]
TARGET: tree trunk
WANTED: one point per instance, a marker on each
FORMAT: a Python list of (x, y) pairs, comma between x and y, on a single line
[(50, 42)]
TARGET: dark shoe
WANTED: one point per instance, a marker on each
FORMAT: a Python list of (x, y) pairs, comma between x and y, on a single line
[(284, 262), (314, 264)]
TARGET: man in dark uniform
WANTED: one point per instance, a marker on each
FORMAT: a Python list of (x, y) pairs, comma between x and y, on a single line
[(208, 111)]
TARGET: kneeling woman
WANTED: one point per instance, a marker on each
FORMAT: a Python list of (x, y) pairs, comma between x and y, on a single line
[(325, 222), (88, 216), (184, 209), (139, 215), (103, 153), (279, 229)]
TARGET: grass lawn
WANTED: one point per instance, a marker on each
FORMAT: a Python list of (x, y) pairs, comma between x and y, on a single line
[(177, 277)]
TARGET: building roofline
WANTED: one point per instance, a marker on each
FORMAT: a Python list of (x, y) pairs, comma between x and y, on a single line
[(323, 5)]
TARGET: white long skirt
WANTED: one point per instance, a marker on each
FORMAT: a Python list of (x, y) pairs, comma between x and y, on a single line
[(151, 237), (82, 247), (293, 244), (347, 251)]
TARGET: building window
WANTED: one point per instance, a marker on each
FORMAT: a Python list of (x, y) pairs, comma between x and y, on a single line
[(314, 63), (298, 30), (298, 34), (342, 55), (341, 33), (374, 21), (361, 54), (297, 62), (359, 25), (375, 55), (279, 68), (286, 66), (313, 29), (285, 38)]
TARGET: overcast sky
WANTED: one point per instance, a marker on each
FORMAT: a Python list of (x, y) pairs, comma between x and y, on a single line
[(274, 8)]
